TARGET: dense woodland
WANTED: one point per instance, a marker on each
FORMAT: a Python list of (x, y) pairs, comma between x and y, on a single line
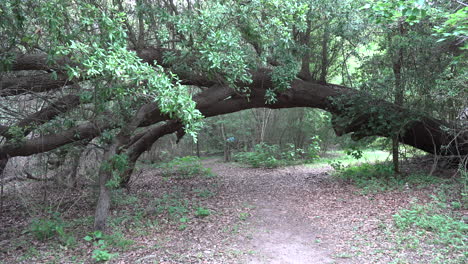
[(91, 90)]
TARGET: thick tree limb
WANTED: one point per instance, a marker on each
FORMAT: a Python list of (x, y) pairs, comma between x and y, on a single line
[(52, 141), (423, 132), (44, 115), (37, 62), (10, 86)]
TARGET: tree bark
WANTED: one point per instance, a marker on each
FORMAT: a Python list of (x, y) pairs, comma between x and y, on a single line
[(399, 98), (44, 115), (423, 132), (103, 203), (38, 83)]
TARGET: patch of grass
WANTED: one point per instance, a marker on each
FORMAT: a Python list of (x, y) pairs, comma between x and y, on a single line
[(119, 197), (118, 240), (185, 168), (430, 218), (46, 228), (243, 216), (202, 212), (369, 156), (372, 178), (433, 224), (437, 223), (172, 205), (204, 193)]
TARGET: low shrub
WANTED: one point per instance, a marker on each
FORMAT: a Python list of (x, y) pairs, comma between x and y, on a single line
[(45, 228), (184, 168), (264, 155), (202, 212), (271, 156), (101, 252)]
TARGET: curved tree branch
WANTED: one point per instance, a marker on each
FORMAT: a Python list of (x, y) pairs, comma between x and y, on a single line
[(10, 86), (61, 105)]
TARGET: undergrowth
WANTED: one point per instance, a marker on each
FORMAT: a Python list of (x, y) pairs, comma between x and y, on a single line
[(446, 227), (184, 168), (272, 156), (50, 227), (178, 210), (440, 223), (372, 178)]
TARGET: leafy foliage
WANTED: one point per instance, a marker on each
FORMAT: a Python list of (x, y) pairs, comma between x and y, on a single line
[(426, 217), (202, 212), (270, 156), (100, 254), (185, 167), (263, 155), (45, 228), (172, 205), (455, 27)]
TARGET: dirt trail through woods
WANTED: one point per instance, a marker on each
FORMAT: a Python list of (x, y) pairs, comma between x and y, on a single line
[(280, 237), (278, 229), (297, 215)]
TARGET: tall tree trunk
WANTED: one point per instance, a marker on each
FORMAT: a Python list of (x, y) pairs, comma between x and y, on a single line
[(304, 73), (399, 99), (3, 163), (104, 200), (324, 64), (225, 144)]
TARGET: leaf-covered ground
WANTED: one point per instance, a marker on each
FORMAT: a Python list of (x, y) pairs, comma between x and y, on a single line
[(296, 214)]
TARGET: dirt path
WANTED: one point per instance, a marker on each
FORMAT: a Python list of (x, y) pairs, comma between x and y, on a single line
[(277, 231), (293, 215), (282, 237)]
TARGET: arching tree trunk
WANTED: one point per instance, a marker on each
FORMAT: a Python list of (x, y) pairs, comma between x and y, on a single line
[(353, 111)]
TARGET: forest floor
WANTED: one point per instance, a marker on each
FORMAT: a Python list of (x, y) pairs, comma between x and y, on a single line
[(299, 214)]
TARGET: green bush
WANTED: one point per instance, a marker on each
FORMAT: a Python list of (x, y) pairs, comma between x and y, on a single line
[(202, 212), (313, 149), (292, 153), (100, 253), (43, 229), (184, 168), (271, 156), (263, 156)]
